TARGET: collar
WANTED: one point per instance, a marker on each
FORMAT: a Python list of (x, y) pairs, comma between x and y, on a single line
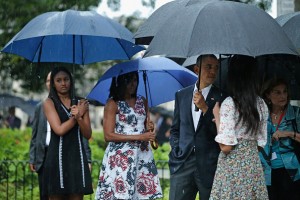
[(204, 90)]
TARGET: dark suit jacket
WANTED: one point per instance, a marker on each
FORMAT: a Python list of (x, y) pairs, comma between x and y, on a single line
[(184, 138), (38, 141), (16, 123)]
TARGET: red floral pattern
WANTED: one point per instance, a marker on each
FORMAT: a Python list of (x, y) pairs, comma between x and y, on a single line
[(128, 169)]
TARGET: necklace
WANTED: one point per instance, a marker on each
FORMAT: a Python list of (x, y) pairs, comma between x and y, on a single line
[(276, 115)]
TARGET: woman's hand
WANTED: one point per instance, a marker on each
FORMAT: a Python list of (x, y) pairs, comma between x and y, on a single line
[(80, 109), (150, 126), (148, 136), (83, 106), (74, 110), (282, 134)]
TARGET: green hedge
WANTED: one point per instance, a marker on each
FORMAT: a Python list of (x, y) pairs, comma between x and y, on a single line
[(14, 146)]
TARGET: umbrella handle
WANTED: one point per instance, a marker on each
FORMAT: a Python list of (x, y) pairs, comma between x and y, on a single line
[(198, 82), (74, 102), (154, 144)]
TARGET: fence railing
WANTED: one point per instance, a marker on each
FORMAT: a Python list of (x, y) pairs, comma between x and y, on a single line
[(18, 182)]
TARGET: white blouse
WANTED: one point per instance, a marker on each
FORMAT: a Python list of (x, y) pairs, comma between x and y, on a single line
[(230, 131)]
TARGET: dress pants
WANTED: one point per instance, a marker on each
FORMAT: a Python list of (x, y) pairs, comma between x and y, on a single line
[(185, 183)]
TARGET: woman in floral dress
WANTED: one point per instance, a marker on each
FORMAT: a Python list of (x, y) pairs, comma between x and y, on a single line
[(128, 169), (241, 123)]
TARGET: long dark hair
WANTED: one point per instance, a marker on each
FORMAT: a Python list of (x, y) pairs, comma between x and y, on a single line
[(53, 93), (243, 84), (269, 86), (118, 86)]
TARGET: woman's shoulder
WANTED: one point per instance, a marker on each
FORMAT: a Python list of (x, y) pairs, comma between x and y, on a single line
[(110, 102), (293, 110), (47, 101), (228, 100), (140, 98)]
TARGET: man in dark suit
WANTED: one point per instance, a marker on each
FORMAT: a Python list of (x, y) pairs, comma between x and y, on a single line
[(12, 121), (194, 153), (41, 135)]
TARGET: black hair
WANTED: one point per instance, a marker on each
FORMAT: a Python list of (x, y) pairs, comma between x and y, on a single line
[(202, 57), (269, 85), (118, 86), (243, 85), (53, 93)]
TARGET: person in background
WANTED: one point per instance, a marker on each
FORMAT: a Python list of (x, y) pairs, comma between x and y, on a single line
[(12, 121), (66, 170), (194, 153), (128, 168), (279, 158), (241, 123), (40, 140), (1, 120)]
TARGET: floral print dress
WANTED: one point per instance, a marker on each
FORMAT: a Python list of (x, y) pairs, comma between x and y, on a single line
[(239, 174), (128, 169)]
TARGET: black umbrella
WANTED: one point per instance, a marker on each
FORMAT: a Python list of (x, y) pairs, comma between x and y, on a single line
[(270, 66), (149, 28), (220, 27), (291, 26)]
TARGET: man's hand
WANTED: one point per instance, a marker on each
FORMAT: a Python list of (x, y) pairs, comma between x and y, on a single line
[(199, 101), (32, 167)]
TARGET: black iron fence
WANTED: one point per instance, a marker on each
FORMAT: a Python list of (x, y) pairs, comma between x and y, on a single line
[(18, 182)]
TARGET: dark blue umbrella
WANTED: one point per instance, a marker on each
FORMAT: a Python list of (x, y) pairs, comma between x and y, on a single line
[(78, 37), (159, 79)]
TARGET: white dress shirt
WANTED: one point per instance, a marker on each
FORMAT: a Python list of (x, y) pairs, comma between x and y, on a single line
[(196, 115), (48, 136)]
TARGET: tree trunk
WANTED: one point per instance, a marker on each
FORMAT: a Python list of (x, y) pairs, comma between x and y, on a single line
[(297, 5)]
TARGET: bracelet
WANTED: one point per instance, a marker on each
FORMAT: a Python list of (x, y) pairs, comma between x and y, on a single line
[(294, 135)]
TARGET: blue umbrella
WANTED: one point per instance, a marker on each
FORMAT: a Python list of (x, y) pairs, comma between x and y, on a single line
[(159, 79), (78, 37)]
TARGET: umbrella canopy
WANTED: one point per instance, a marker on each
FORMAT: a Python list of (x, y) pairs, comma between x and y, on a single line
[(291, 26), (149, 28), (7, 100), (79, 37), (163, 78), (280, 66), (220, 27)]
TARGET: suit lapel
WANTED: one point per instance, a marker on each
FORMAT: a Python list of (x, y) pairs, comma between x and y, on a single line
[(210, 102), (189, 108)]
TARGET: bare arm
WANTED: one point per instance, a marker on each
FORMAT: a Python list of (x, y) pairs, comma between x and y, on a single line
[(52, 116), (284, 134), (81, 113), (216, 111), (109, 121)]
